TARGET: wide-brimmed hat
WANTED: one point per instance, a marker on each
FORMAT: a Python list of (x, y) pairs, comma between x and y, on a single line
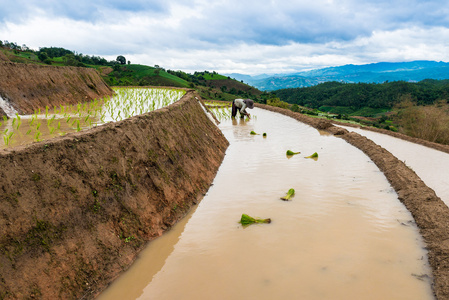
[(249, 103)]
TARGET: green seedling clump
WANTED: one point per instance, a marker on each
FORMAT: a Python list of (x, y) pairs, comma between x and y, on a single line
[(264, 134), (247, 220), (253, 133), (290, 152), (290, 193), (314, 155)]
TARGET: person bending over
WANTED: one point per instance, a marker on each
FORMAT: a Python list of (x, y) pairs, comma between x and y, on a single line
[(240, 105)]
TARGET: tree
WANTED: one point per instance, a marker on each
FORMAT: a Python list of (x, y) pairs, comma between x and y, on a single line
[(121, 59), (70, 60), (42, 56)]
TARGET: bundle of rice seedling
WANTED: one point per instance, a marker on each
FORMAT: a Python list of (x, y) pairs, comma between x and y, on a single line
[(247, 220)]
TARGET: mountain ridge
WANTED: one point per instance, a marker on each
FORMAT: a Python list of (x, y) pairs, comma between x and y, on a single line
[(380, 72)]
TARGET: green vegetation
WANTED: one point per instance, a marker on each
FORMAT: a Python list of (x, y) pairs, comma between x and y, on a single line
[(253, 133), (356, 96), (425, 122), (367, 104), (264, 134), (290, 153), (127, 102), (221, 113), (247, 220), (120, 72), (141, 75), (210, 76), (415, 109), (290, 194), (278, 103), (314, 155)]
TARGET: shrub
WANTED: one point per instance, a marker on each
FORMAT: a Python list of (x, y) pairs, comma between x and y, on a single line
[(430, 123), (278, 103), (294, 108)]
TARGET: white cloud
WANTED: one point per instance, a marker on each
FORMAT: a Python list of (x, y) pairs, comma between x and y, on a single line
[(236, 36)]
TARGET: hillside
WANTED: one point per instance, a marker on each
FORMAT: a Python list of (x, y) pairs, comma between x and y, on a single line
[(142, 75), (356, 96), (32, 87), (219, 87), (210, 85)]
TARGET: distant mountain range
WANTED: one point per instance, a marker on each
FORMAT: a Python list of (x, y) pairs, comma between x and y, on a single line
[(370, 73)]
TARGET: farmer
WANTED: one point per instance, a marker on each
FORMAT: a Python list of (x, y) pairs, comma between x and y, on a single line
[(240, 105)]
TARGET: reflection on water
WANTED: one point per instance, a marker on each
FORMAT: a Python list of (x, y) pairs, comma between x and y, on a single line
[(344, 235)]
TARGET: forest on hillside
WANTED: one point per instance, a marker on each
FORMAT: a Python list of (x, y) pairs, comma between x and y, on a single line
[(358, 95), (418, 109)]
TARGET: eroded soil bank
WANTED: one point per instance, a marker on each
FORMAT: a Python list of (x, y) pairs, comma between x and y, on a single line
[(430, 213), (31, 87), (76, 210)]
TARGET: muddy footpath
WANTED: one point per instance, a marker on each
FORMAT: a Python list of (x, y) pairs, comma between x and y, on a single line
[(429, 211)]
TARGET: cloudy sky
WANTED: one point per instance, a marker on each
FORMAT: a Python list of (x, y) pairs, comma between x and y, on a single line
[(235, 36)]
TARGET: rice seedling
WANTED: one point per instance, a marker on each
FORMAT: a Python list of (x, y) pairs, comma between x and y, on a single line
[(290, 194), (126, 103), (37, 136), (291, 153), (18, 122), (246, 220), (314, 155), (7, 138)]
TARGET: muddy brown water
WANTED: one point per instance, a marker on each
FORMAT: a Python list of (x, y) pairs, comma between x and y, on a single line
[(431, 165), (344, 235)]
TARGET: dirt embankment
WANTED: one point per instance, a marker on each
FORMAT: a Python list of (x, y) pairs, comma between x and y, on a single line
[(3, 57), (30, 87), (76, 210), (429, 211)]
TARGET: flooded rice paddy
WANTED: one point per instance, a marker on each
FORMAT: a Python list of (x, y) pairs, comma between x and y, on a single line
[(344, 234), (57, 121), (431, 165)]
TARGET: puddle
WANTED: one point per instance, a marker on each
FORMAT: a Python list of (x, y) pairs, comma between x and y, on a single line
[(431, 165), (344, 234)]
